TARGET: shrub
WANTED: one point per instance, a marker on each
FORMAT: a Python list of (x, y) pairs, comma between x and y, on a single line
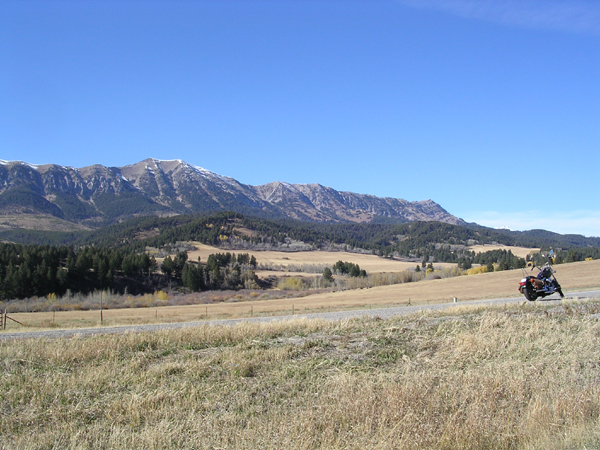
[(477, 270), (292, 284), (161, 295)]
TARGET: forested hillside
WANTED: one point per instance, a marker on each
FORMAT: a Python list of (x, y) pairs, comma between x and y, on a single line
[(229, 229)]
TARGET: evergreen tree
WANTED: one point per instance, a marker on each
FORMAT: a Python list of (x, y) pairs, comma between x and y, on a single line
[(167, 266)]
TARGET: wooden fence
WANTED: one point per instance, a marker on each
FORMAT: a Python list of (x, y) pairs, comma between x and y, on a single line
[(4, 317)]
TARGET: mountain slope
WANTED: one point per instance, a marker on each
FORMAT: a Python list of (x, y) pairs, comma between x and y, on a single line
[(98, 195)]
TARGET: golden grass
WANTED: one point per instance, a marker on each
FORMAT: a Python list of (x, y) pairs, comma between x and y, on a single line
[(515, 377), (572, 276), (521, 252), (370, 263)]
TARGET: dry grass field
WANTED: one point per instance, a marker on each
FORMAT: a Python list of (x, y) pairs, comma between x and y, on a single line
[(521, 252), (580, 275), (573, 276), (472, 378), (370, 263)]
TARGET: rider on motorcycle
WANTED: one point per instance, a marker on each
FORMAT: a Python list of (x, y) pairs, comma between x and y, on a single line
[(544, 277)]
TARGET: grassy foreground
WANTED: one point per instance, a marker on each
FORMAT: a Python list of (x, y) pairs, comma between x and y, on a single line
[(513, 377)]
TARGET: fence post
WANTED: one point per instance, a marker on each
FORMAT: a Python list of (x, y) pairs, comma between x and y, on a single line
[(5, 318)]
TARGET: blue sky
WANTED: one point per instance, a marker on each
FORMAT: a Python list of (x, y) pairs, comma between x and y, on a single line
[(489, 107)]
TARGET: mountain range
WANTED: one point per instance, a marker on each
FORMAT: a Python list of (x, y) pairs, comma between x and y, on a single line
[(96, 195)]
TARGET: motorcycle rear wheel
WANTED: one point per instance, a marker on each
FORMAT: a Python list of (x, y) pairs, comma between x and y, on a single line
[(529, 293)]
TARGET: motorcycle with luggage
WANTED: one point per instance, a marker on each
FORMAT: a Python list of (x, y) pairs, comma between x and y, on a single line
[(541, 285)]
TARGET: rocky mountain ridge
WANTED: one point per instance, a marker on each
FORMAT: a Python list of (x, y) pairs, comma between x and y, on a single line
[(96, 195)]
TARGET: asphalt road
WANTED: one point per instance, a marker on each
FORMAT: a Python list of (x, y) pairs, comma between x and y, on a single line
[(383, 313)]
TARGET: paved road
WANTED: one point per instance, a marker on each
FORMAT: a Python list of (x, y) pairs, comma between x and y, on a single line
[(384, 313)]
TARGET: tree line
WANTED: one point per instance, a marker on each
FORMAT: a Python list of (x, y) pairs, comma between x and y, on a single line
[(222, 271), (40, 270), (504, 260), (32, 270)]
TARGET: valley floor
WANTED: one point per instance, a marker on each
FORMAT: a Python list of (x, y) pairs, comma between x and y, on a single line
[(573, 276)]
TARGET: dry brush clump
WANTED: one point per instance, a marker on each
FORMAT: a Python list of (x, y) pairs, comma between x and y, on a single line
[(86, 302), (304, 268), (516, 377), (403, 277)]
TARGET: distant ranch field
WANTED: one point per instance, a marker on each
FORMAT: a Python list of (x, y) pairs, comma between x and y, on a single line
[(370, 263), (521, 252)]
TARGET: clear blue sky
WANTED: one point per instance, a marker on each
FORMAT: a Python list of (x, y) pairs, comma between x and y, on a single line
[(489, 107)]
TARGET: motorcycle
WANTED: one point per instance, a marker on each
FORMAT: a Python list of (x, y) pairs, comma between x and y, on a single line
[(542, 285)]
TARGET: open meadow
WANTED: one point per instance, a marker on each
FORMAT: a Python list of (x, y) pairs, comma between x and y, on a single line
[(572, 276), (520, 376), (521, 252), (368, 262)]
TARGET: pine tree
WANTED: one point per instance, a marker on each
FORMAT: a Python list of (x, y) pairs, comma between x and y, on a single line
[(167, 266)]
